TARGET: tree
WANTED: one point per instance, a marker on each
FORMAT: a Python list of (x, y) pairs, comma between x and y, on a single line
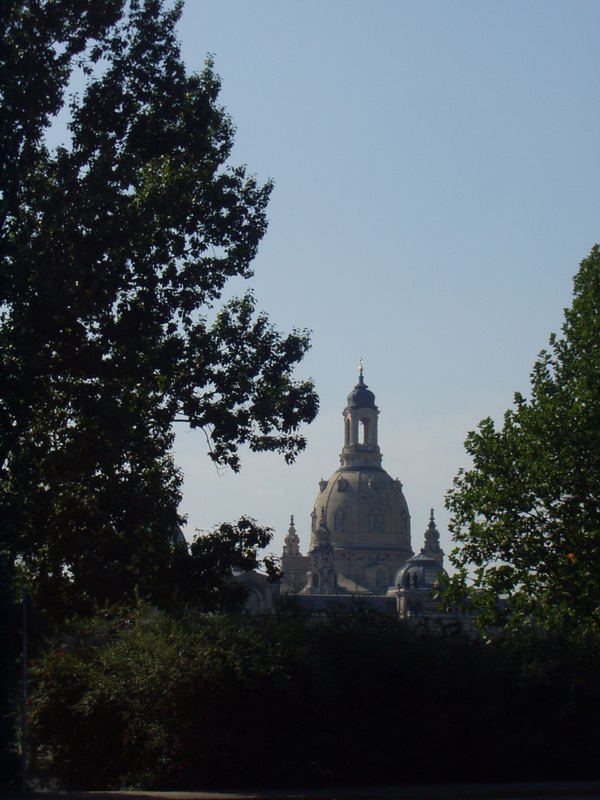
[(205, 575), (526, 516), (114, 252)]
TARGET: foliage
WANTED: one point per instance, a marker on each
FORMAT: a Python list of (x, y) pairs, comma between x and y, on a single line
[(139, 698), (526, 516), (114, 251), (205, 576), (10, 663)]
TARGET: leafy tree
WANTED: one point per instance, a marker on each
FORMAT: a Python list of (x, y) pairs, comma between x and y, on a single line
[(114, 252), (205, 575), (10, 646), (526, 516)]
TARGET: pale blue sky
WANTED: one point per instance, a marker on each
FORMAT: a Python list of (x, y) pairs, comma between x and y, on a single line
[(436, 185)]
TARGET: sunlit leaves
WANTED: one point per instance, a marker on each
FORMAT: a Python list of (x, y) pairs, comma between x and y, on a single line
[(526, 516)]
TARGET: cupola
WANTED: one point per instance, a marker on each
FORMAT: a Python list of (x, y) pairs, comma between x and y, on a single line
[(361, 448)]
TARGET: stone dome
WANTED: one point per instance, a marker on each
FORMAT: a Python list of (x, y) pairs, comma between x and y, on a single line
[(361, 507)]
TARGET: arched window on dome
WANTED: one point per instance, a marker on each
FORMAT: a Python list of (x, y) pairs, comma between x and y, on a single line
[(363, 431), (376, 522), (347, 432), (338, 520)]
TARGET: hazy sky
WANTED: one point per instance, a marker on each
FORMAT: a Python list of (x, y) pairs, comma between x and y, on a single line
[(436, 185)]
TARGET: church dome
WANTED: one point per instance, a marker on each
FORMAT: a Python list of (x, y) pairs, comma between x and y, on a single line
[(360, 540), (361, 507), (364, 508)]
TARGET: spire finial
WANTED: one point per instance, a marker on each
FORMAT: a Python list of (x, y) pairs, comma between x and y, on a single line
[(432, 542), (360, 369), (292, 541)]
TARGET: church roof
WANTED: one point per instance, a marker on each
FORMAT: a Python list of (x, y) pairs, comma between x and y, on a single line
[(420, 571), (361, 396)]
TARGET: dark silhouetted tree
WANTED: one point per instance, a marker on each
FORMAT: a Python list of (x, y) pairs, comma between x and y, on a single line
[(114, 252)]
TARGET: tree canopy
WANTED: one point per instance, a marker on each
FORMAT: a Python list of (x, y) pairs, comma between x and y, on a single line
[(115, 249), (526, 515)]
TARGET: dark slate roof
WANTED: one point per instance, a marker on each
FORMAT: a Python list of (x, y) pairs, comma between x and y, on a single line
[(361, 396), (419, 571)]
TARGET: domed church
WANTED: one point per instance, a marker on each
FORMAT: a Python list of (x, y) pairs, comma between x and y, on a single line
[(360, 543)]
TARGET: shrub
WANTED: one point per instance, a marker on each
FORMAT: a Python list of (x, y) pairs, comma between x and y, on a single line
[(141, 698)]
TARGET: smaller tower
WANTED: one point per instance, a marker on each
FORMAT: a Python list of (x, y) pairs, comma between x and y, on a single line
[(416, 584), (361, 448), (294, 565), (432, 542), (292, 540), (322, 577)]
